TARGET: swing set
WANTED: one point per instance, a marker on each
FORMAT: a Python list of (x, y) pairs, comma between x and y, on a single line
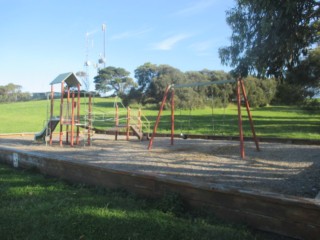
[(216, 125), (240, 89)]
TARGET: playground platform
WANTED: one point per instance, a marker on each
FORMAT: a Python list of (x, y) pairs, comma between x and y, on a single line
[(274, 190)]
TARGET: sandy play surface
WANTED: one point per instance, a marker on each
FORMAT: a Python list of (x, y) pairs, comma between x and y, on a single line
[(279, 168)]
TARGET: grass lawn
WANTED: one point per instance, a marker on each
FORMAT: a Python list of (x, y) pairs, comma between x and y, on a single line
[(35, 207), (272, 121)]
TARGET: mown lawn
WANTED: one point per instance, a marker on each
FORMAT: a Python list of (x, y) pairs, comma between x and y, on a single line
[(36, 207), (272, 121)]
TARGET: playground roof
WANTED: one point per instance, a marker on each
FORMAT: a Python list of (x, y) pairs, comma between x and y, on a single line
[(69, 78)]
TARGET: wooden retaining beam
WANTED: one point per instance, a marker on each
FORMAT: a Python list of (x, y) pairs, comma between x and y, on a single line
[(298, 141), (290, 216)]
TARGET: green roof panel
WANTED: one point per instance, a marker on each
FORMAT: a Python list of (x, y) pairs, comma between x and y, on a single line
[(69, 78)]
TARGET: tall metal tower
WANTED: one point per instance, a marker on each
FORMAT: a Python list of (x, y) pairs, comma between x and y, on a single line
[(87, 63), (102, 59)]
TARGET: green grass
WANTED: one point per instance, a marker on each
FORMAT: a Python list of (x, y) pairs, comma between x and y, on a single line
[(35, 207), (22, 116), (273, 121), (285, 121)]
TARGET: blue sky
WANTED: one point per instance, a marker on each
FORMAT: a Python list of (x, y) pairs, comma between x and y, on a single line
[(41, 39)]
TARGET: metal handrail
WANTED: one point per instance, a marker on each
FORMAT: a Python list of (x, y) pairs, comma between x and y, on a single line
[(122, 118)]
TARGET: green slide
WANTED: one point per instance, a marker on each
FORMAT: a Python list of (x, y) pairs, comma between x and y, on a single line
[(50, 127)]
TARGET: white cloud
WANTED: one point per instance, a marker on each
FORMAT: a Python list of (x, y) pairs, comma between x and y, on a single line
[(168, 43), (202, 48), (196, 7), (207, 47), (130, 34)]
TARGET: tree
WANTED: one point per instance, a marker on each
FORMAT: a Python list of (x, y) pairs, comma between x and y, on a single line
[(215, 75), (308, 71), (269, 37), (12, 93), (260, 92), (112, 78), (134, 96), (221, 95), (193, 76), (153, 79), (144, 74), (166, 75), (302, 82)]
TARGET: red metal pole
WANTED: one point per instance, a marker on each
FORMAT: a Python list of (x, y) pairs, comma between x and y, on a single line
[(128, 123), (78, 114), (158, 117), (140, 124), (68, 113), (72, 119), (139, 120), (78, 105), (172, 117), (51, 114), (249, 114), (116, 122), (61, 113), (89, 120), (240, 121)]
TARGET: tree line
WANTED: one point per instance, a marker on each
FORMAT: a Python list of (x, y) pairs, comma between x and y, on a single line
[(152, 80), (300, 85), (13, 93)]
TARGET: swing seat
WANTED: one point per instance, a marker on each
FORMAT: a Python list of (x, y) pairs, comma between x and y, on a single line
[(183, 136)]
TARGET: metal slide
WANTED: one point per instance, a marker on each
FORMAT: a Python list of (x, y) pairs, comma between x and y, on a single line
[(50, 127)]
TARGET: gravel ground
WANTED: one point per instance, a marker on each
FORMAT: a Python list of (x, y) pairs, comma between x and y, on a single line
[(279, 168)]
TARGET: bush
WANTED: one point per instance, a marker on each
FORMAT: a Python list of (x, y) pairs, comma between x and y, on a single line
[(260, 92), (289, 94), (312, 105), (133, 97)]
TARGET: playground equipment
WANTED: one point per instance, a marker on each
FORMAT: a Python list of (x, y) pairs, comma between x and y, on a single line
[(50, 126), (240, 88), (123, 120), (69, 115), (70, 122), (136, 122)]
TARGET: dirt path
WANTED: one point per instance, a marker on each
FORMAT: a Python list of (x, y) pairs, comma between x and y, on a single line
[(279, 168)]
